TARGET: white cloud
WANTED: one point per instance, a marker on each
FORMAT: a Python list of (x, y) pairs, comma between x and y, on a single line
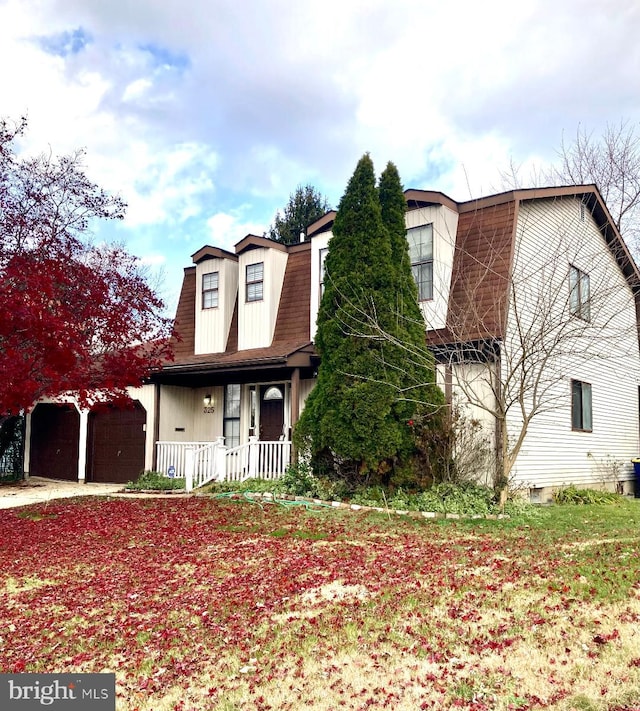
[(226, 230), (205, 116)]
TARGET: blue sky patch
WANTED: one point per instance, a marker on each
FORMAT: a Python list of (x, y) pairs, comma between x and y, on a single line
[(163, 57), (63, 44)]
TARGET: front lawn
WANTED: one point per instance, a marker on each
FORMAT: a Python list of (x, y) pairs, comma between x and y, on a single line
[(223, 605)]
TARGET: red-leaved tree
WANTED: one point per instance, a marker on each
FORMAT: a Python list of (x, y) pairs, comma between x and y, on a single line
[(75, 317)]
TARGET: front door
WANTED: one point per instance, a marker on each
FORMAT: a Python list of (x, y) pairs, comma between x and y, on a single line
[(271, 412)]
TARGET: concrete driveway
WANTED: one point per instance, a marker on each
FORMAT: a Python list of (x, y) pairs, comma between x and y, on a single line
[(38, 490)]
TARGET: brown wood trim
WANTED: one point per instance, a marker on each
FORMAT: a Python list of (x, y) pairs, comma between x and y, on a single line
[(253, 241), (209, 252), (323, 224)]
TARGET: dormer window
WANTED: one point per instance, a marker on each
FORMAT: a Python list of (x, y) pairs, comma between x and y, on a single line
[(421, 252), (210, 284), (255, 281)]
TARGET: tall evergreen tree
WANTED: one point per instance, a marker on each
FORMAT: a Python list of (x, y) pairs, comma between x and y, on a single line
[(407, 323), (305, 206), (352, 417), (419, 399)]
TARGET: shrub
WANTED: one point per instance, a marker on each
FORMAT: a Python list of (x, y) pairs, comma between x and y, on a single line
[(155, 481), (572, 495)]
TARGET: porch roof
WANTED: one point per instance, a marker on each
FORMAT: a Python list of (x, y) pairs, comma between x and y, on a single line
[(238, 365)]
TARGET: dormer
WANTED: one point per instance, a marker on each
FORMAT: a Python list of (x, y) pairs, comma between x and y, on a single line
[(261, 266), (215, 298), (432, 225)]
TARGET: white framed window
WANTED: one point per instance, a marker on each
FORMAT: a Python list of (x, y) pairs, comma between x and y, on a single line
[(210, 284), (255, 282), (579, 293), (581, 412), (421, 252), (323, 257)]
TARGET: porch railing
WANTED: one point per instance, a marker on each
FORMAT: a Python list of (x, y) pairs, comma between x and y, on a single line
[(171, 456), (202, 462)]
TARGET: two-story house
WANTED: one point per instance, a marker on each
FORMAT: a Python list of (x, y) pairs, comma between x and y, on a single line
[(529, 299)]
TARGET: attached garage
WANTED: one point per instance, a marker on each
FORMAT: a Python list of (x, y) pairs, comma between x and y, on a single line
[(114, 450), (55, 440), (116, 440)]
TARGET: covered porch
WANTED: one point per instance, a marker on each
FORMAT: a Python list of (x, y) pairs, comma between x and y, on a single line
[(202, 462), (230, 420)]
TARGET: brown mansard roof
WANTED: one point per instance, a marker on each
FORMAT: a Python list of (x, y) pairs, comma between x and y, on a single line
[(479, 289), (484, 251)]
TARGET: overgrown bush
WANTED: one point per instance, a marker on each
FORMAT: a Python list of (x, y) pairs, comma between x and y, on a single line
[(572, 495), (466, 498), (156, 481), (452, 447), (300, 480)]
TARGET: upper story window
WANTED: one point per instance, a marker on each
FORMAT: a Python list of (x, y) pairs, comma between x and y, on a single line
[(323, 258), (579, 294), (210, 290), (421, 252), (581, 416), (255, 281)]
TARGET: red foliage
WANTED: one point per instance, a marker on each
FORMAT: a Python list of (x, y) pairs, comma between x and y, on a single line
[(74, 316)]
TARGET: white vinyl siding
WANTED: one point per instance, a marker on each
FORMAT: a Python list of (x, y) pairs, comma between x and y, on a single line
[(260, 296), (550, 236), (444, 227), (215, 302)]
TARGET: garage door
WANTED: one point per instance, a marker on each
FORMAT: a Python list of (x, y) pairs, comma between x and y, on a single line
[(55, 435), (115, 450)]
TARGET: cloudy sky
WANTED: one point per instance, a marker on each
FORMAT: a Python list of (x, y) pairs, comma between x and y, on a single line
[(204, 115)]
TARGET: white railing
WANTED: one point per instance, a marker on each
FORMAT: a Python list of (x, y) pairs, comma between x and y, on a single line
[(273, 459), (171, 456), (257, 460), (202, 462)]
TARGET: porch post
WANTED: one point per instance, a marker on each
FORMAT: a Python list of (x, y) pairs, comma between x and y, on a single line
[(253, 457), (220, 463), (294, 407), (295, 396), (189, 469), (82, 444)]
